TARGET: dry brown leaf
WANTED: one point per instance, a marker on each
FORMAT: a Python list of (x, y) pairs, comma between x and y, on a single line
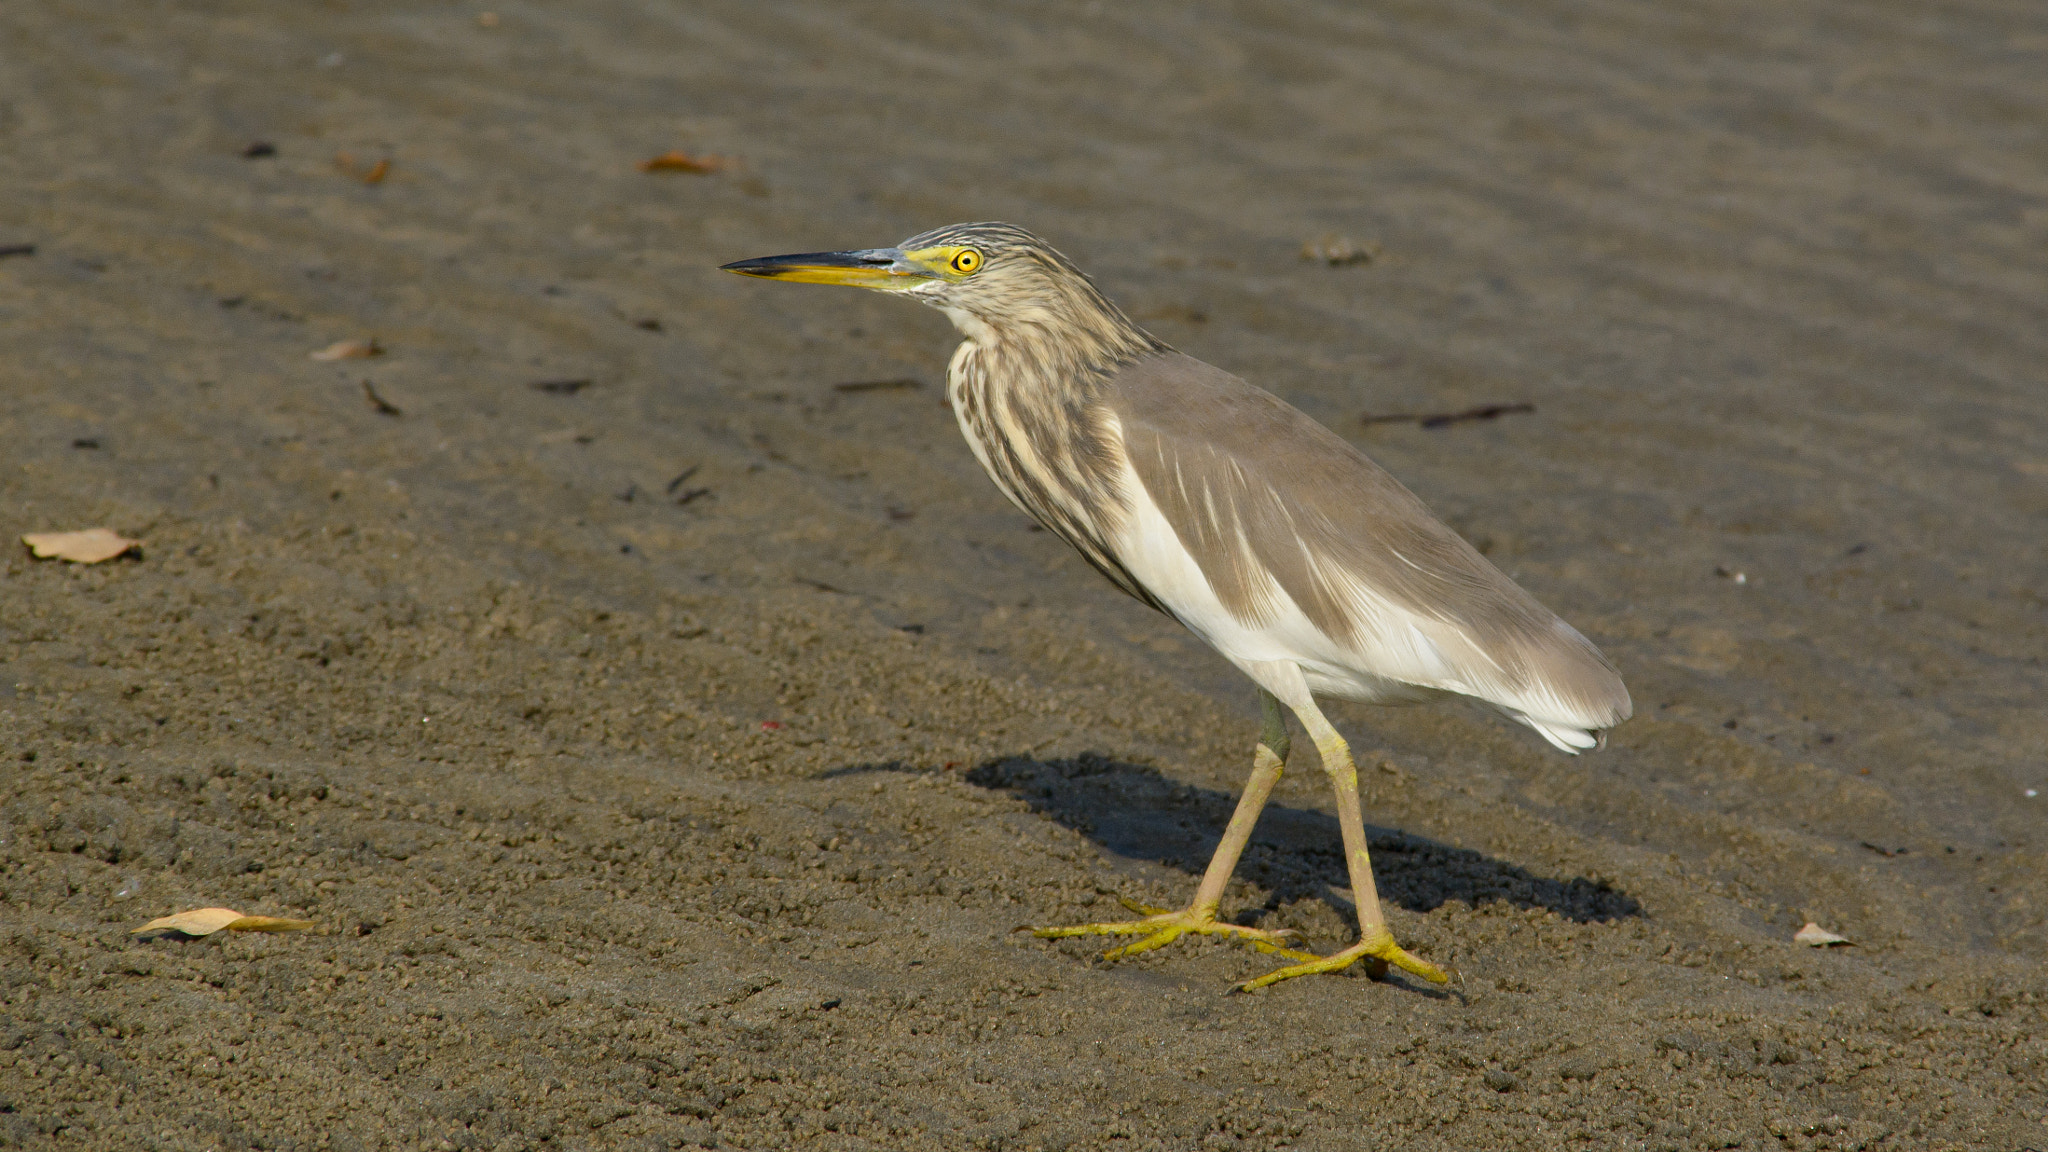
[(374, 174), (684, 162), (1815, 936), (207, 921), (88, 547), (348, 350)]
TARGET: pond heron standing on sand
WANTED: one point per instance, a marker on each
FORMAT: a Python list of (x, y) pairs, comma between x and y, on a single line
[(1261, 531)]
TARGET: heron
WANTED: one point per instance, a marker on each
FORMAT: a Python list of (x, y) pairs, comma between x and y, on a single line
[(1274, 540)]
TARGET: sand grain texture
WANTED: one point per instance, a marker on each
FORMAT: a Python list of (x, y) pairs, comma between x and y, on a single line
[(665, 760)]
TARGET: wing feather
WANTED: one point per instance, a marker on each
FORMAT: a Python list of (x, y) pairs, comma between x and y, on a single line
[(1274, 508)]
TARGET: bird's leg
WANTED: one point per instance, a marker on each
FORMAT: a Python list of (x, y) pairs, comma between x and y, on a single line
[(1162, 926), (1375, 943)]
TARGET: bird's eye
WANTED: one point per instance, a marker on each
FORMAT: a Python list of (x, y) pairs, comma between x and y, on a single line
[(966, 261)]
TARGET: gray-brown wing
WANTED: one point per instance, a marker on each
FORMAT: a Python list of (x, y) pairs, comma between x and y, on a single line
[(1262, 496)]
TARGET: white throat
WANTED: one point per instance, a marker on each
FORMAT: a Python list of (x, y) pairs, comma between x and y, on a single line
[(967, 323)]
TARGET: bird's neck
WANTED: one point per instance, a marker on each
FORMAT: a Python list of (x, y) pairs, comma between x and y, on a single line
[(1025, 396), (1058, 355)]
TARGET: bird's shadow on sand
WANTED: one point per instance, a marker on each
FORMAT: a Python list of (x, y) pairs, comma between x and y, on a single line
[(1135, 812)]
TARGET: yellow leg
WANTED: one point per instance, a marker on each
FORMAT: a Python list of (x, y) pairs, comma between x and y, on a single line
[(1161, 926), (1375, 943)]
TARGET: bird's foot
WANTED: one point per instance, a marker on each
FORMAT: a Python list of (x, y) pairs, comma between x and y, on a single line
[(1162, 926), (1378, 950)]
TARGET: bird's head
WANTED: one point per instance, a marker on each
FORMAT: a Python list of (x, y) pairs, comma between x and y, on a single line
[(995, 281)]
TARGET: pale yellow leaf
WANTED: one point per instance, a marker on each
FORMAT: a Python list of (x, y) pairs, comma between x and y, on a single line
[(348, 350), (197, 922), (1815, 936), (1335, 250), (88, 547), (207, 921), (268, 924)]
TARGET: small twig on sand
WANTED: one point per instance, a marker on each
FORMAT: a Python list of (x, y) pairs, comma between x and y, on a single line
[(1446, 419), (382, 406)]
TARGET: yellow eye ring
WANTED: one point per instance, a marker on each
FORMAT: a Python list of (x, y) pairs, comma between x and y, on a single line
[(966, 261)]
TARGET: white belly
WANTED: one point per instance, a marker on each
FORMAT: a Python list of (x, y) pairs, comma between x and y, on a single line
[(1400, 665)]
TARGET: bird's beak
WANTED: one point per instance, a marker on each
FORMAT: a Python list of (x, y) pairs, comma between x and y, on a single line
[(887, 269)]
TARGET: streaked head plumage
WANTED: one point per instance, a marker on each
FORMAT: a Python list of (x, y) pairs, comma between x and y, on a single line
[(994, 280)]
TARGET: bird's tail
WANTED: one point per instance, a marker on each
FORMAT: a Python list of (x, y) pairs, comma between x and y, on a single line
[(1568, 739)]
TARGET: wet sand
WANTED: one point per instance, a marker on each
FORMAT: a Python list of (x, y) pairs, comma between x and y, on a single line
[(666, 761)]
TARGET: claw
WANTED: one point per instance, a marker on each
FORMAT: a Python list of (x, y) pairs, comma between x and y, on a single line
[(1378, 950), (1158, 939), (1161, 927)]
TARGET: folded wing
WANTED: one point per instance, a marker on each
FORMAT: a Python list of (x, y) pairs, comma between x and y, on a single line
[(1288, 521)]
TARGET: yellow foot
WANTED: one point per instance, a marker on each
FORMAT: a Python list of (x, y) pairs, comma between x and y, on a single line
[(1378, 950), (1161, 926)]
